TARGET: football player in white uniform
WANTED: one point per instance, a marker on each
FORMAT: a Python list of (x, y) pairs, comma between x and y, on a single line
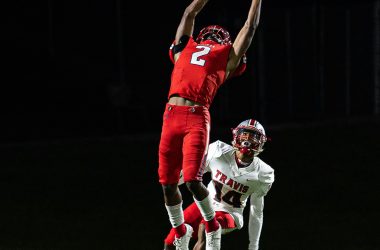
[(237, 173)]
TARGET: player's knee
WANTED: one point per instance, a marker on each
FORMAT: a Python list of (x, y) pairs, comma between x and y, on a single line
[(169, 190), (194, 186)]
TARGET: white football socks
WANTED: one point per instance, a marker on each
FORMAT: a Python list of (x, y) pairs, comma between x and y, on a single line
[(175, 214), (206, 208)]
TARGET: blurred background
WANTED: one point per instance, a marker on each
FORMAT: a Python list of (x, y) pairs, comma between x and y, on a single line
[(84, 88)]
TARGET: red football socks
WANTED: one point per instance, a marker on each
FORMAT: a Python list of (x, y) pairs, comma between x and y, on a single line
[(212, 225), (180, 230)]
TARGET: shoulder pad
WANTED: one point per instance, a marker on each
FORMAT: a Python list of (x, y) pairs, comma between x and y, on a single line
[(218, 148), (266, 173)]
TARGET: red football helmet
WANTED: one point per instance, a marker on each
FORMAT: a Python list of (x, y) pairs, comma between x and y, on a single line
[(215, 33), (249, 137)]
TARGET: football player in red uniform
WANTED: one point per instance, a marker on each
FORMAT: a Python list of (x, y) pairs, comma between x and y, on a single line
[(201, 65)]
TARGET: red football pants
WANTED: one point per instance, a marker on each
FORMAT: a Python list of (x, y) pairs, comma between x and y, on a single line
[(193, 217), (184, 142)]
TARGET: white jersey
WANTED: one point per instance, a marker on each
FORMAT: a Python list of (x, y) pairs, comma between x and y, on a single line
[(231, 186)]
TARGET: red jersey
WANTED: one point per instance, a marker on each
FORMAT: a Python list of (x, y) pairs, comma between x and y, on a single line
[(200, 71)]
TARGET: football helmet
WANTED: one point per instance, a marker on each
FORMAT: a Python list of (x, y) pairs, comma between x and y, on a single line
[(215, 33), (249, 137)]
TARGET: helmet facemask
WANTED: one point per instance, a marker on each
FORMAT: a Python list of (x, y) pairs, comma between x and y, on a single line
[(248, 140), (214, 33)]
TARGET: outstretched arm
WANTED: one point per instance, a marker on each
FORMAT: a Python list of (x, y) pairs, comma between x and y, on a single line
[(244, 37), (186, 26)]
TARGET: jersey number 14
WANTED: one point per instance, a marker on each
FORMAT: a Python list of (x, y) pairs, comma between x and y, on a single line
[(230, 197)]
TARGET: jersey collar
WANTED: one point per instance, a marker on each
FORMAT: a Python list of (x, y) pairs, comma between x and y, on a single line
[(242, 171)]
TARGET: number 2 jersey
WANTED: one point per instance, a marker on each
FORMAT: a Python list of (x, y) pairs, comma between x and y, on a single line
[(200, 70), (231, 186)]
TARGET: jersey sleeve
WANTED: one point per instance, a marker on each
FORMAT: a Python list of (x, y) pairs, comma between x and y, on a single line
[(266, 179), (241, 68), (171, 53), (175, 48)]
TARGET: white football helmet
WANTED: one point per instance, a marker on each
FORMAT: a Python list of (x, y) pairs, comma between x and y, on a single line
[(249, 137)]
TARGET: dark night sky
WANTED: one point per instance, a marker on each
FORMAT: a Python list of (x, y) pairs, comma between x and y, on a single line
[(95, 68)]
